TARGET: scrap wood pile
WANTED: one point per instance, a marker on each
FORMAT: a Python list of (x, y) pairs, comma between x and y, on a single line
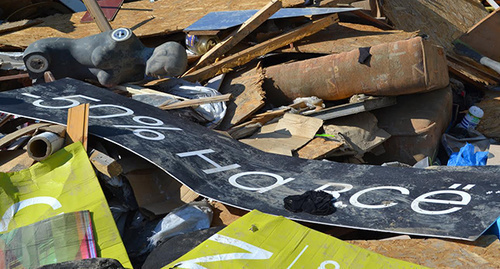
[(208, 133)]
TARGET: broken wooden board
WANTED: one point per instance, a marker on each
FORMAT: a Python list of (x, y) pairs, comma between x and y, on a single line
[(443, 21), (239, 34), (318, 148), (344, 37), (288, 134), (143, 17), (399, 200), (248, 96), (245, 56), (469, 72), (485, 33), (436, 253)]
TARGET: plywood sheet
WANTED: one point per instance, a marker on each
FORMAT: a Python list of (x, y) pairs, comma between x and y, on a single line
[(143, 17), (344, 37), (248, 96), (442, 20), (288, 134), (483, 35), (436, 253)]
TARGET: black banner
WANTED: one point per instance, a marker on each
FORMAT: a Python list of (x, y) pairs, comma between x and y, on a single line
[(449, 202)]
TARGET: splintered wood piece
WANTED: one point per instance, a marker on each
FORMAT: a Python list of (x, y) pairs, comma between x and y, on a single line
[(245, 56), (78, 124), (235, 37), (318, 148), (248, 95), (196, 102)]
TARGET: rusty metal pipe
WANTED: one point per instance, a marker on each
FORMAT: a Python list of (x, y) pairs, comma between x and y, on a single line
[(393, 69)]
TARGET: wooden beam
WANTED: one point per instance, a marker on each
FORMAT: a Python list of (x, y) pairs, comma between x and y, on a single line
[(249, 54), (133, 90), (235, 37), (105, 164), (12, 77), (196, 102), (78, 124), (96, 12)]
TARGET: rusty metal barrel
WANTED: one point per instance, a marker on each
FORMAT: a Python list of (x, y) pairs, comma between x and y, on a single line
[(397, 68)]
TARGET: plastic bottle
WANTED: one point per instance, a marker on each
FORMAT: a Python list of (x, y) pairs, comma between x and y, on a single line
[(472, 118)]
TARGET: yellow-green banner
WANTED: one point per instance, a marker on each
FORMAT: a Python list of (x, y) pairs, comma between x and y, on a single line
[(63, 183), (259, 240)]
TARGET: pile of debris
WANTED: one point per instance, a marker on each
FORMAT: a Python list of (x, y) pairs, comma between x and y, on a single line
[(205, 134)]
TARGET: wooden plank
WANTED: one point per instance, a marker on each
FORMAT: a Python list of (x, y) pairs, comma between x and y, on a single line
[(235, 37), (196, 102), (248, 95), (288, 134), (344, 37), (105, 164), (247, 55), (109, 9), (484, 34), (18, 25), (143, 17), (96, 12), (134, 89), (318, 148), (12, 77), (443, 21), (78, 124)]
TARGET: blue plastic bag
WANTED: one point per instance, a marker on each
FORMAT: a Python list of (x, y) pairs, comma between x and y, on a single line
[(467, 157)]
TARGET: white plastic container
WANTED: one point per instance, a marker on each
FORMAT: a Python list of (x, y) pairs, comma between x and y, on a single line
[(472, 119)]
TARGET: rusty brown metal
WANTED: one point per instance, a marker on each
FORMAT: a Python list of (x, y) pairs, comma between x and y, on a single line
[(397, 68)]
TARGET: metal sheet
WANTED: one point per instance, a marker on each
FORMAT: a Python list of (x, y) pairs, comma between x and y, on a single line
[(226, 19), (399, 200)]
